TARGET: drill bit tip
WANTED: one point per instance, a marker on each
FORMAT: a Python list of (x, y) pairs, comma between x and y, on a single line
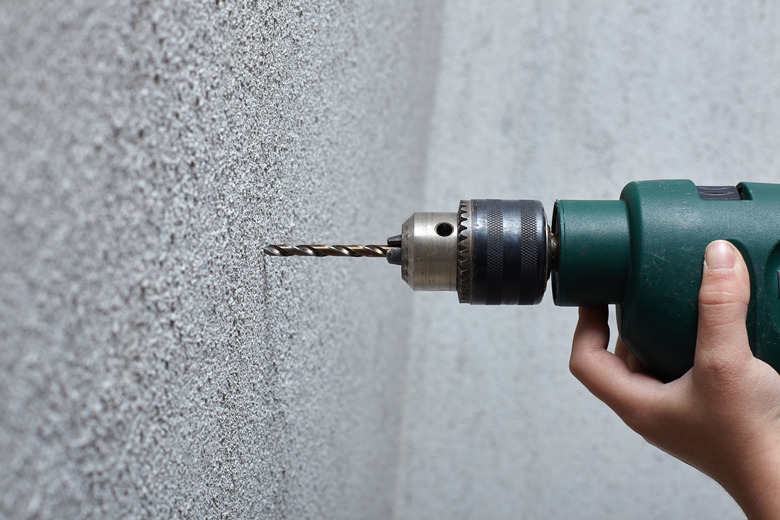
[(323, 250)]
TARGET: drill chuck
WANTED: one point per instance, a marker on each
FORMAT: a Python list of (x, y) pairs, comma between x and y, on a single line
[(492, 252)]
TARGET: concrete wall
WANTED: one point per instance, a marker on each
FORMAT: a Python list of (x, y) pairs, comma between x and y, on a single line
[(570, 99), (154, 364)]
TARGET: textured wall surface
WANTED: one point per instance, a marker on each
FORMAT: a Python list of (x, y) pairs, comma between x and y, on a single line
[(569, 99), (153, 363)]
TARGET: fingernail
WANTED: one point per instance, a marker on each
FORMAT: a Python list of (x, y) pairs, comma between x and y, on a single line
[(720, 255)]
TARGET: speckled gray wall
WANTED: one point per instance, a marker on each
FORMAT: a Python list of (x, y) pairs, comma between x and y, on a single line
[(570, 99), (152, 362)]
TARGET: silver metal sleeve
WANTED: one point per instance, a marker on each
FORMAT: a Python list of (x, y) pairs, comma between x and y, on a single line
[(430, 251)]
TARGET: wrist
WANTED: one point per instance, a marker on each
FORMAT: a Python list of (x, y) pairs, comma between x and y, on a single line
[(757, 491)]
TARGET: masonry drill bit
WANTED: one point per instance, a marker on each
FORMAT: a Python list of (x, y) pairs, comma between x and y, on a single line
[(320, 250)]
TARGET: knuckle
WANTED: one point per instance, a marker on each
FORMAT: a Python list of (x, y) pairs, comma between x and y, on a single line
[(718, 370), (721, 294), (721, 316), (576, 367)]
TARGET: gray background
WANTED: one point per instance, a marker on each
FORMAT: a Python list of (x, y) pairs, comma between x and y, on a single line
[(155, 364)]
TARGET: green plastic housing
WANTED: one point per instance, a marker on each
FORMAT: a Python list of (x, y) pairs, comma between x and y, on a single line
[(645, 252)]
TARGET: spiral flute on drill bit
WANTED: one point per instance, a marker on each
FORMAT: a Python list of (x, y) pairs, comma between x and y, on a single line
[(323, 250)]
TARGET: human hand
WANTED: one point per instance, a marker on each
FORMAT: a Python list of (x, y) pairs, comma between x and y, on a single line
[(723, 415)]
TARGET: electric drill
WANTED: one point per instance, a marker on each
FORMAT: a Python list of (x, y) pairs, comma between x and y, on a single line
[(644, 253)]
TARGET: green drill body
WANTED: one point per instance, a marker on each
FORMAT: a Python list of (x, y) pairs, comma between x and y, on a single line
[(644, 253)]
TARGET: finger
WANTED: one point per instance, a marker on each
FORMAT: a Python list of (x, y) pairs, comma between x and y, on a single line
[(722, 340), (605, 374)]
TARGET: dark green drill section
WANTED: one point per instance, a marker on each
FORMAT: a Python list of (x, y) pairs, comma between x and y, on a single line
[(645, 252)]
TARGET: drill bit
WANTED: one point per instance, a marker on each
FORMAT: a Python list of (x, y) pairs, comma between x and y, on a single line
[(320, 250)]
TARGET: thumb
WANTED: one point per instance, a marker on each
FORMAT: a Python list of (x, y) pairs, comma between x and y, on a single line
[(723, 299)]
